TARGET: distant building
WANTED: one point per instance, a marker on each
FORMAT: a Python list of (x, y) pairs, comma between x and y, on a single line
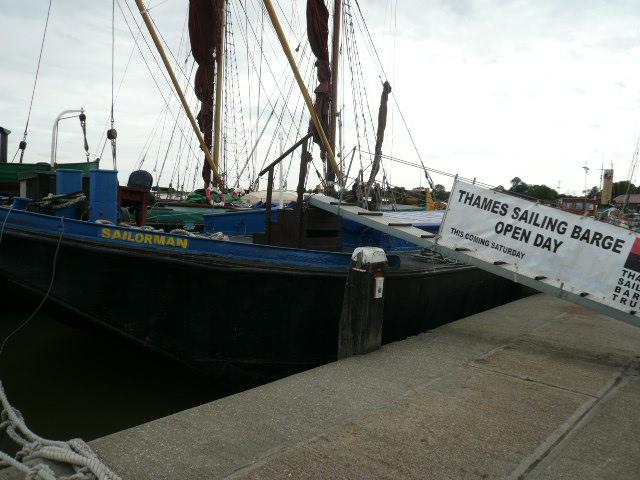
[(578, 205), (634, 200)]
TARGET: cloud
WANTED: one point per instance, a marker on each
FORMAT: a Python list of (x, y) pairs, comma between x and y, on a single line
[(490, 88)]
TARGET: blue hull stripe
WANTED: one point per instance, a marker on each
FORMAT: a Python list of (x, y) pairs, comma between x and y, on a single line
[(158, 241)]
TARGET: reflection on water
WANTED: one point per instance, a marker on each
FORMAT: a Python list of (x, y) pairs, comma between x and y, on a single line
[(72, 381)]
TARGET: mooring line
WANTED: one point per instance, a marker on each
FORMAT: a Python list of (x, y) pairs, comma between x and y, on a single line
[(46, 295), (4, 223)]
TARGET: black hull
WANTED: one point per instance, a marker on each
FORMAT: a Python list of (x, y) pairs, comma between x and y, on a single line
[(216, 315)]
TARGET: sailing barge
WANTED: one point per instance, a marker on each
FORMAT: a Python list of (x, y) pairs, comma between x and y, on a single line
[(217, 304), (270, 303)]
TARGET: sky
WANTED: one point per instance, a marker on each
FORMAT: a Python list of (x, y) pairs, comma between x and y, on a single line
[(489, 89)]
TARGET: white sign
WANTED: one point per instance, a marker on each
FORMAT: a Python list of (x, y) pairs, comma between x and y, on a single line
[(578, 254)]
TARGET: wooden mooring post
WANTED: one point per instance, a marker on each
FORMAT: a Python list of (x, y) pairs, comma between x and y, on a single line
[(360, 329)]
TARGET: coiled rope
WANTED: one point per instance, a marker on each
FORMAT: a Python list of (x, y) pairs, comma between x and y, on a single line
[(43, 459)]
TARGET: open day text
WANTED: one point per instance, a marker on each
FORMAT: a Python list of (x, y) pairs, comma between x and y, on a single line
[(551, 224)]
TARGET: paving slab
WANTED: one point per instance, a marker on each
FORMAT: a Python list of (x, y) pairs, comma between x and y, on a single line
[(537, 388)]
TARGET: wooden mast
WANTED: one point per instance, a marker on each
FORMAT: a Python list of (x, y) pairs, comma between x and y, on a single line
[(176, 85), (303, 89), (217, 119), (335, 61)]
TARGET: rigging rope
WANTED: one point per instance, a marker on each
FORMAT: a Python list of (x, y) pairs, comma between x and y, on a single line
[(276, 89), (155, 81), (23, 144), (112, 134), (103, 134), (173, 131), (395, 100)]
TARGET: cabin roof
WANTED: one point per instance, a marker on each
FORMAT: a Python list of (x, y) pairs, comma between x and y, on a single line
[(634, 198)]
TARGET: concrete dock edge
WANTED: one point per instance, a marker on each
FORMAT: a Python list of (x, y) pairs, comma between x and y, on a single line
[(538, 388)]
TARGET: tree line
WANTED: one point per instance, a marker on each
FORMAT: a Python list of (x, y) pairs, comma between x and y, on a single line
[(520, 187), (543, 192)]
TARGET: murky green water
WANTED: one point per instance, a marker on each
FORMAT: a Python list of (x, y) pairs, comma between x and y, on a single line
[(73, 381)]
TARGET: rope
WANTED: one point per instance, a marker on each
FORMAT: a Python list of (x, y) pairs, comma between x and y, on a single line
[(23, 143), (395, 100), (433, 170), (37, 454), (113, 43), (155, 81), (5, 222), (106, 123), (56, 202), (112, 134), (35, 312)]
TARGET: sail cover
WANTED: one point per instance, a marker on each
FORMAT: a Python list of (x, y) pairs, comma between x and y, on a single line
[(382, 125), (318, 34), (205, 25)]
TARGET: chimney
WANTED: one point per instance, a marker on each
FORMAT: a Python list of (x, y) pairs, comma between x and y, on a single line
[(4, 138)]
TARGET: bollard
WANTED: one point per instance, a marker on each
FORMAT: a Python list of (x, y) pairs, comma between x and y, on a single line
[(360, 329)]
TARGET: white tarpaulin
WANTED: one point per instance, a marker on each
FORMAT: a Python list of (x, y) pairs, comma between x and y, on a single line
[(578, 254)]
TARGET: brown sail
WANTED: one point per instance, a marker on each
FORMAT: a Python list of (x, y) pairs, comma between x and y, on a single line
[(318, 35), (382, 124), (205, 24)]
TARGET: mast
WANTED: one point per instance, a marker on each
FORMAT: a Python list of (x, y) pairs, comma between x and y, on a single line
[(217, 120), (335, 60), (176, 85)]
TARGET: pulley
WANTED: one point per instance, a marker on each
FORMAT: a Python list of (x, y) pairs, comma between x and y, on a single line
[(83, 125), (22, 146), (112, 134)]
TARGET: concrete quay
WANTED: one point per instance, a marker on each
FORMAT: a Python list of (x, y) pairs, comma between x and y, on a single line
[(538, 388)]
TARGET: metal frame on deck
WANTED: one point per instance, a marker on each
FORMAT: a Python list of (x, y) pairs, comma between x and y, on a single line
[(430, 241)]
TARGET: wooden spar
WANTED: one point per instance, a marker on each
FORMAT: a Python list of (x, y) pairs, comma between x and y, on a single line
[(335, 60), (176, 85), (217, 120), (307, 98)]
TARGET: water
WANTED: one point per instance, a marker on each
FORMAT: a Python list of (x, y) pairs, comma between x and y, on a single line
[(71, 381)]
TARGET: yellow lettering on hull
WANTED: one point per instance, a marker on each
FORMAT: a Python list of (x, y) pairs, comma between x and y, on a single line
[(144, 238)]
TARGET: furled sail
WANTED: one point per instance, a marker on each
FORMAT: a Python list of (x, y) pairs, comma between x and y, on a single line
[(205, 24), (318, 34), (382, 124)]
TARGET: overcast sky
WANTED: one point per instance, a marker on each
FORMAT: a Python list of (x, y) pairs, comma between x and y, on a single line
[(489, 88)]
